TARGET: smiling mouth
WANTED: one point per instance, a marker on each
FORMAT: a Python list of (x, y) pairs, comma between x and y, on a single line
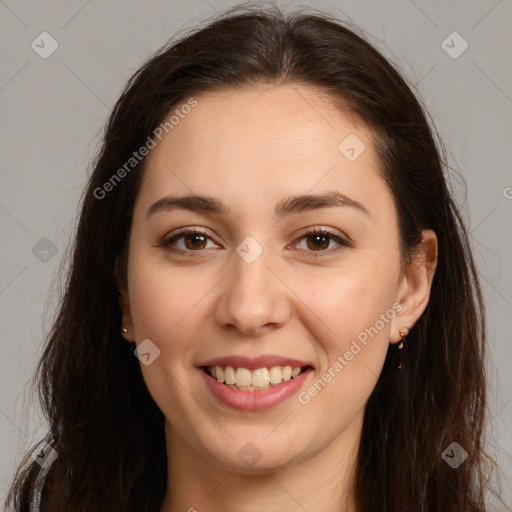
[(258, 379)]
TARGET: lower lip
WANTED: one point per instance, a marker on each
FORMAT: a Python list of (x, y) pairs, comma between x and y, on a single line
[(255, 400)]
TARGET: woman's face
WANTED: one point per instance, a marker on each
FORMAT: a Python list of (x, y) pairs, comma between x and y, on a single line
[(254, 290)]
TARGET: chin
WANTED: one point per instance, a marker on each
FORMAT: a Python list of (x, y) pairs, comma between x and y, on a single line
[(259, 456)]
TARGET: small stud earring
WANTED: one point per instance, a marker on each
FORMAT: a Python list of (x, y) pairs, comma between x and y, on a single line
[(403, 333), (124, 329)]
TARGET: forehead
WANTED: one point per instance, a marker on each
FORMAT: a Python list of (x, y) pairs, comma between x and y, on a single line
[(288, 122), (257, 142)]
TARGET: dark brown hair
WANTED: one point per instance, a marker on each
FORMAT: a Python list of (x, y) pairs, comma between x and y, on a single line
[(103, 423)]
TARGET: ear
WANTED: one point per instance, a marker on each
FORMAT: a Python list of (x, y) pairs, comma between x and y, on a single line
[(126, 314), (415, 285)]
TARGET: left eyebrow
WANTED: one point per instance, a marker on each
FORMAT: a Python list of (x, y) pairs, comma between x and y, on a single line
[(288, 206), (299, 204)]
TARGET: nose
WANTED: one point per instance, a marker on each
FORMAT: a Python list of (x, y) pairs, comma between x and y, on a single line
[(254, 297)]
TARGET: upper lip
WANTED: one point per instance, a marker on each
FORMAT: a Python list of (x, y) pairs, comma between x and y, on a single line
[(252, 363)]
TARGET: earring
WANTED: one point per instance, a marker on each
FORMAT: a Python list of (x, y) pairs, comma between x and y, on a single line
[(402, 338), (403, 333), (124, 329)]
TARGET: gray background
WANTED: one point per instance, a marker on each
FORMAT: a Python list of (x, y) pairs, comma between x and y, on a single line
[(52, 111)]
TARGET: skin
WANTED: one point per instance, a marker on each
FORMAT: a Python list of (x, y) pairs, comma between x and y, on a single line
[(251, 148)]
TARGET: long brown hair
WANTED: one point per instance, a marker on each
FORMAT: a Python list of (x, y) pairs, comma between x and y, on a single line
[(103, 423)]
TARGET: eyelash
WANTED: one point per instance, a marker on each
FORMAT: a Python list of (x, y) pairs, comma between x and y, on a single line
[(167, 242)]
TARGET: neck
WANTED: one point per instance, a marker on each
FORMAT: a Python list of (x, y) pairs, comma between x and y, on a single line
[(323, 481)]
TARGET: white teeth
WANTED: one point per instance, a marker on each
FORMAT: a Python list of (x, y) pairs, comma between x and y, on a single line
[(260, 378), (229, 375), (247, 380), (243, 376), (219, 374), (276, 375), (287, 372)]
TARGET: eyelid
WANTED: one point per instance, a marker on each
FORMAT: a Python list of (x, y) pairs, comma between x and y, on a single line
[(181, 232), (341, 240), (324, 230)]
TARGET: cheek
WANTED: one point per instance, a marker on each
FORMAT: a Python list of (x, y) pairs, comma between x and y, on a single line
[(355, 308), (349, 301), (358, 313), (164, 301)]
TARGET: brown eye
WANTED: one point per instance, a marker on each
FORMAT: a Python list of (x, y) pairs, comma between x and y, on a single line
[(318, 240), (194, 240)]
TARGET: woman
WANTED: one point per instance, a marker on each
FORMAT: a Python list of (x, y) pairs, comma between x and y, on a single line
[(268, 223)]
